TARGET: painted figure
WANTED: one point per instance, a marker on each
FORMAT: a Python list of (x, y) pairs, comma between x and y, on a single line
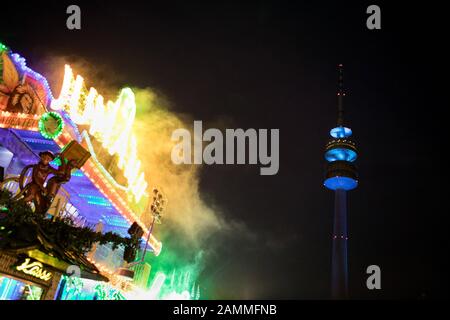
[(63, 175), (42, 196)]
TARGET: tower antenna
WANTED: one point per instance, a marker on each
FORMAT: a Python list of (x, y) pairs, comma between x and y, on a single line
[(340, 95)]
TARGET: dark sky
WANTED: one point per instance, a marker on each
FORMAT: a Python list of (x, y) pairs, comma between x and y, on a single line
[(272, 64)]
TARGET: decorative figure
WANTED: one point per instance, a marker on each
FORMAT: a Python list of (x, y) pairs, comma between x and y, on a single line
[(64, 174), (23, 95), (22, 99), (35, 190), (42, 195)]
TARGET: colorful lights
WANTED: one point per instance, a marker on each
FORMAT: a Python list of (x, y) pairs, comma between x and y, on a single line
[(91, 197), (35, 269), (73, 126), (344, 183), (110, 124), (157, 284), (94, 172), (51, 125), (12, 289), (179, 287), (18, 120), (99, 203), (77, 173), (100, 167), (38, 141), (124, 111), (119, 204), (73, 288), (340, 154), (116, 221), (104, 292), (21, 62), (340, 132)]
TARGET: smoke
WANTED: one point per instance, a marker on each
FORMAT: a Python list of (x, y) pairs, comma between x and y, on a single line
[(96, 75), (185, 211), (192, 231)]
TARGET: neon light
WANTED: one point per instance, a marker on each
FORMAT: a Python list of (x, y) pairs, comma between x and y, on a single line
[(157, 285), (38, 141), (121, 207), (74, 98), (340, 132), (111, 125), (98, 164), (344, 183), (77, 174), (58, 104), (340, 154), (95, 200), (99, 203), (99, 110), (180, 287), (89, 115), (35, 269), (51, 125), (116, 221), (88, 196), (3, 47), (23, 65), (73, 126), (18, 120), (105, 183)]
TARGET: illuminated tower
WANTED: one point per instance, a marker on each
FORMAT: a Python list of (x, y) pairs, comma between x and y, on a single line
[(341, 176)]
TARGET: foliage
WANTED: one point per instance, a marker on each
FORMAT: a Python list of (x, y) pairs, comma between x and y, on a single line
[(19, 223)]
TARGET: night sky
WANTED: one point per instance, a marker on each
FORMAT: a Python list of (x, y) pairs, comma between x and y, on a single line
[(272, 64)]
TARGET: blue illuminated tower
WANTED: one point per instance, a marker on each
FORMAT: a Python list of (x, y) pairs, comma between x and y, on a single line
[(341, 176)]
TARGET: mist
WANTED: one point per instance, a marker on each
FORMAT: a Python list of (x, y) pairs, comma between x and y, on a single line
[(192, 230)]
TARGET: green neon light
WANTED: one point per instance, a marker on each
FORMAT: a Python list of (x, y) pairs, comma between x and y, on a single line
[(179, 286), (51, 125), (107, 293), (3, 47), (175, 277)]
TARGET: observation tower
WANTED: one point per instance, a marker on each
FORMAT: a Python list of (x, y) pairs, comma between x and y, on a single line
[(340, 176)]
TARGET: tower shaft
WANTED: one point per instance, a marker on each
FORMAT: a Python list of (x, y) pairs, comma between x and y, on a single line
[(339, 281)]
